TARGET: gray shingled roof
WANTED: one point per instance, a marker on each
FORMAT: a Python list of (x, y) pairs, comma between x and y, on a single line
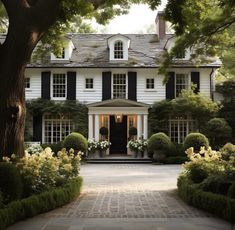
[(91, 51)]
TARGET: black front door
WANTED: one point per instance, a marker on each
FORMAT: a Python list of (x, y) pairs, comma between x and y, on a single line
[(118, 135)]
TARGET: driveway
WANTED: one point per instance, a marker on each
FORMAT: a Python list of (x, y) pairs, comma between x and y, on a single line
[(126, 197)]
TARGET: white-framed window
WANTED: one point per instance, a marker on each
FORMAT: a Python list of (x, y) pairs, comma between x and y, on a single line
[(27, 83), (89, 84), (180, 127), (56, 128), (150, 83), (61, 54), (59, 85), (119, 86), (118, 50), (181, 82)]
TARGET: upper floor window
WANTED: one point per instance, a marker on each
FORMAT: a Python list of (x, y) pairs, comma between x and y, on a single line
[(180, 127), (119, 86), (150, 83), (118, 50), (59, 86), (61, 54), (27, 82), (181, 54), (89, 83), (181, 82)]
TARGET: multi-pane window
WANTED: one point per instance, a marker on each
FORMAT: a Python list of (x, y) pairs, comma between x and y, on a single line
[(89, 83), (150, 83), (180, 127), (56, 128), (61, 54), (59, 86), (118, 50), (181, 82), (119, 86), (27, 82)]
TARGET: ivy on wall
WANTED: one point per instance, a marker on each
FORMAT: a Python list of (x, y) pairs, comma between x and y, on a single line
[(75, 110)]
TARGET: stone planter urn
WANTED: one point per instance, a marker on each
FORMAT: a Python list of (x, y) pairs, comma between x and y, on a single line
[(102, 153), (159, 155), (134, 154)]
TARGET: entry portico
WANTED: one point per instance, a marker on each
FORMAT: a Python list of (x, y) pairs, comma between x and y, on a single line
[(118, 115)]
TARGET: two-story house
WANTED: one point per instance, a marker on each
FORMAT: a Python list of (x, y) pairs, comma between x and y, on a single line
[(116, 76)]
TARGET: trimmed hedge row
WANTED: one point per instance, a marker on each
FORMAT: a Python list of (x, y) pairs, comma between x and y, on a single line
[(216, 204), (36, 204)]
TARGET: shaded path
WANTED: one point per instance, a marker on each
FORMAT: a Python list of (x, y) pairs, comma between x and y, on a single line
[(126, 196)]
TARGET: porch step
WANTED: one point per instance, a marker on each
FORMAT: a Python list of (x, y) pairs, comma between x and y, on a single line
[(119, 161)]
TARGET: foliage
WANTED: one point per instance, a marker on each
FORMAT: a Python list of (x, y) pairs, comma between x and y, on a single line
[(231, 191), (43, 202), (137, 145), (196, 140), (218, 131), (103, 145), (75, 110), (76, 141), (216, 204), (228, 151), (198, 106), (159, 141), (34, 148), (175, 160), (10, 182), (41, 171), (104, 131), (132, 131), (55, 147), (227, 88), (92, 145)]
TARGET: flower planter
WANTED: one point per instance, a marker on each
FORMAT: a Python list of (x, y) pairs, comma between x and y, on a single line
[(102, 153)]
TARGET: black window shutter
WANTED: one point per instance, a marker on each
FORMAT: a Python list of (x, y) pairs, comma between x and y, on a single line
[(170, 86), (132, 81), (71, 85), (45, 85), (195, 79), (37, 128), (106, 85)]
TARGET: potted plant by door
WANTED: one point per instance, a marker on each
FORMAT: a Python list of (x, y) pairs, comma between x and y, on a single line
[(132, 133), (104, 133), (103, 146)]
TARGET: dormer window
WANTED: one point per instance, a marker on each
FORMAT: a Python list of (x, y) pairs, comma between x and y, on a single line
[(61, 54), (118, 50), (65, 52), (118, 47)]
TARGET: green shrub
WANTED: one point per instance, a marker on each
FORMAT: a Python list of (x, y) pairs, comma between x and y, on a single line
[(56, 147), (1, 200), (218, 131), (175, 160), (132, 131), (76, 141), (159, 141), (197, 174), (196, 140), (10, 182), (231, 191), (104, 131), (227, 151), (177, 150), (36, 204)]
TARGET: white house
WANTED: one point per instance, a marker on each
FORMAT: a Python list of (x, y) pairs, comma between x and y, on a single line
[(116, 76)]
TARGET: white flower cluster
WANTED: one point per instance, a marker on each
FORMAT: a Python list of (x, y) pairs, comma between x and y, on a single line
[(92, 145), (137, 145), (103, 145), (98, 145), (34, 148)]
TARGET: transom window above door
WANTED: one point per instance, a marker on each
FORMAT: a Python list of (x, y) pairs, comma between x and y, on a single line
[(59, 86), (119, 86), (181, 82)]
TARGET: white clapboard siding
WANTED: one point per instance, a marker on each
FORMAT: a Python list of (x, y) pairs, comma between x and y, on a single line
[(150, 96), (205, 81), (89, 95), (35, 84)]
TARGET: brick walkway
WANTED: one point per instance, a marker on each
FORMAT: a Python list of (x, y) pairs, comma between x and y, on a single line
[(124, 197)]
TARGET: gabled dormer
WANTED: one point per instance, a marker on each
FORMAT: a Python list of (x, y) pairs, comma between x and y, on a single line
[(66, 52), (118, 47)]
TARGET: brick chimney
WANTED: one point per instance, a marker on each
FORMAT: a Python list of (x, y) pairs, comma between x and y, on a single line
[(160, 25)]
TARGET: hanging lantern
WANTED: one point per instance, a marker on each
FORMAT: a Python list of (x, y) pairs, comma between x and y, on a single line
[(118, 118)]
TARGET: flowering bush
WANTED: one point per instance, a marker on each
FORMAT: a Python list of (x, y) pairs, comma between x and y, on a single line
[(92, 145), (41, 171), (34, 148), (103, 145), (137, 145)]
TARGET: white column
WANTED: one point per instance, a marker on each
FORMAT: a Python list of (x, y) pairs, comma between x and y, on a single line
[(91, 128), (145, 126), (139, 126), (97, 127)]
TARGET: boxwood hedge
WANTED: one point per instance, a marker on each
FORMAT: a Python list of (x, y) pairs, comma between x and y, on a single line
[(36, 204)]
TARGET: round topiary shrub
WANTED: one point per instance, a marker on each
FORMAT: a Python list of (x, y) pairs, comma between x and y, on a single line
[(76, 141), (218, 131), (132, 131), (197, 174), (10, 182), (159, 144), (104, 131), (196, 140)]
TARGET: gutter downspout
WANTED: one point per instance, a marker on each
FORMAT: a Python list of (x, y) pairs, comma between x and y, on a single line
[(212, 82)]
